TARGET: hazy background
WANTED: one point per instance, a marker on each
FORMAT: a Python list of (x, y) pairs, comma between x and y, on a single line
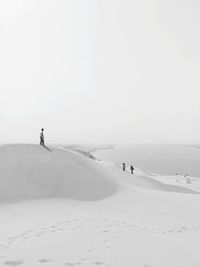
[(100, 71)]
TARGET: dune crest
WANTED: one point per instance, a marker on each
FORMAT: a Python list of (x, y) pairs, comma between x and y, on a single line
[(30, 171)]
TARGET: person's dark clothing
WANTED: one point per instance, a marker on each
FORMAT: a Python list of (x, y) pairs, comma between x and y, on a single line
[(42, 139), (124, 167), (132, 169)]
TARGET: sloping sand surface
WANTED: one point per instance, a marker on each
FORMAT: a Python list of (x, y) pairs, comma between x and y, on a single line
[(137, 221), (30, 171)]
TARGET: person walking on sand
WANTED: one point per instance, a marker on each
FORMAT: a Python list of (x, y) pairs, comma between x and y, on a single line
[(42, 137), (132, 169), (124, 167)]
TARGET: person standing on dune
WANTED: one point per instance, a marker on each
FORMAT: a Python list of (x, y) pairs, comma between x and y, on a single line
[(42, 137)]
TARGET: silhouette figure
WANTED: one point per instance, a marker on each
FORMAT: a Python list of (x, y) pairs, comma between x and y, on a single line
[(132, 169), (124, 167), (42, 137)]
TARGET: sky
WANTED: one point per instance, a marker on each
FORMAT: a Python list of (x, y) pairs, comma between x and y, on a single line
[(100, 71)]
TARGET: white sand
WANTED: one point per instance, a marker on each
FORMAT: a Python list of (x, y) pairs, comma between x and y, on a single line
[(61, 208)]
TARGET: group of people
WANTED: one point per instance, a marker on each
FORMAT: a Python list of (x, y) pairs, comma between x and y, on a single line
[(186, 176), (131, 168)]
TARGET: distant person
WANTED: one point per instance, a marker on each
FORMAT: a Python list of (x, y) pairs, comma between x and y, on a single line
[(132, 169), (188, 179), (42, 137), (177, 180), (124, 167)]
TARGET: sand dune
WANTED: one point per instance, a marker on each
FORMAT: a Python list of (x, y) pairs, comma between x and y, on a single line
[(152, 183), (127, 220), (31, 171), (140, 179)]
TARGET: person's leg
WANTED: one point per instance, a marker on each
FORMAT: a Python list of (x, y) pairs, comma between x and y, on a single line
[(41, 141)]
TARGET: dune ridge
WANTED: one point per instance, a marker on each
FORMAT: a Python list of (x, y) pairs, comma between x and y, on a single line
[(31, 171)]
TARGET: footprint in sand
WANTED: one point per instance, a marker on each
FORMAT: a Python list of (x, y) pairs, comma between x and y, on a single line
[(45, 261), (13, 263), (99, 263), (42, 232)]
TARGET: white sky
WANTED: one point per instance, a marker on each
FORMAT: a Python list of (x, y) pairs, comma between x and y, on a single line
[(100, 71)]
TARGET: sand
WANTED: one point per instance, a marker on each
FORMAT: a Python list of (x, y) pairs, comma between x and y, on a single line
[(61, 208)]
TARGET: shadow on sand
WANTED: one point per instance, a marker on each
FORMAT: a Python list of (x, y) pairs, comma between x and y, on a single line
[(47, 148)]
